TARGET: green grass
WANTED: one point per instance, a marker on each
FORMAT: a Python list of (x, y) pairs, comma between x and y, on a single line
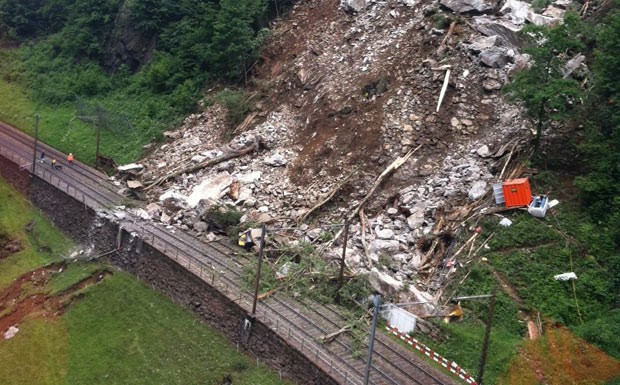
[(528, 254), (118, 331), (39, 247), (36, 355), (70, 275), (151, 341), (462, 343), (59, 128)]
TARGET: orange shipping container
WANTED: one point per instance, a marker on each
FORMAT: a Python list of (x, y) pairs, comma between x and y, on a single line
[(517, 192)]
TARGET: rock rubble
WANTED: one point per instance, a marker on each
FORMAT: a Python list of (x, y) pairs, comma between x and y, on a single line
[(358, 91)]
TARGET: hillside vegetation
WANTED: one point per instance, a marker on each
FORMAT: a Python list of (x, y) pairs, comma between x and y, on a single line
[(133, 69)]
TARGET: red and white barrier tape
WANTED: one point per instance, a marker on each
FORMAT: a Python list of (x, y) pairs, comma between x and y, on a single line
[(450, 365)]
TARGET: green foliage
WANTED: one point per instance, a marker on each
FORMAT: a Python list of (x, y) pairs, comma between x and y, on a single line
[(237, 105), (600, 182), (603, 332), (88, 24), (546, 94), (235, 37), (26, 19), (224, 217), (151, 16), (197, 42)]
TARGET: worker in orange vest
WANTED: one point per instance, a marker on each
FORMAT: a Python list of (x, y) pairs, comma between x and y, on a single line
[(70, 159)]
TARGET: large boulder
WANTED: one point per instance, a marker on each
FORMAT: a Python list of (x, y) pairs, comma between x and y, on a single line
[(354, 6), (477, 190), (494, 57), (516, 11), (384, 283), (468, 6), (483, 43), (506, 30)]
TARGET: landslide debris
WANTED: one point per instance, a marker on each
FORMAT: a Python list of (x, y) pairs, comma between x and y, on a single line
[(345, 88)]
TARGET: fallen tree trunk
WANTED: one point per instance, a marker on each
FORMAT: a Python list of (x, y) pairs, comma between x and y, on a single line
[(380, 179), (254, 146), (332, 336), (363, 222), (329, 197)]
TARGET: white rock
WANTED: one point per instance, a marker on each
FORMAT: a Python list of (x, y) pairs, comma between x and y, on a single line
[(416, 219), (134, 167), (11, 332), (354, 5), (249, 177), (516, 11), (505, 222), (153, 208), (483, 151), (384, 283), (165, 218), (379, 246), (141, 213), (385, 234), (198, 158), (477, 190), (171, 194), (210, 189), (276, 160), (483, 42)]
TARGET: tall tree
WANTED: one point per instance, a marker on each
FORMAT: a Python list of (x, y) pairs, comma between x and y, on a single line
[(600, 184), (236, 36), (544, 89)]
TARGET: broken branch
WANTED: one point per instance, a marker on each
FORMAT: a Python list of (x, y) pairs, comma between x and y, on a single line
[(329, 197), (442, 46), (363, 228), (391, 168), (446, 80), (332, 336)]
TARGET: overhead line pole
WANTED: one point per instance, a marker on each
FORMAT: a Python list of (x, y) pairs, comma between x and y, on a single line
[(36, 139), (487, 336)]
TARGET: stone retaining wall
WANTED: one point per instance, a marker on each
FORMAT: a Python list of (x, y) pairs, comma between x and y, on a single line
[(148, 264)]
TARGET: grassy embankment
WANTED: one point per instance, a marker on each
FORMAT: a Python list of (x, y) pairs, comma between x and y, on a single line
[(117, 331), (139, 116)]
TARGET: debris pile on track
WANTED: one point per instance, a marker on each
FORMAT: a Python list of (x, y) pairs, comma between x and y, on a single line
[(350, 89)]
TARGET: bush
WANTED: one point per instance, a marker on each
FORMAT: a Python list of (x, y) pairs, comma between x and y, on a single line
[(224, 218), (236, 103), (603, 332)]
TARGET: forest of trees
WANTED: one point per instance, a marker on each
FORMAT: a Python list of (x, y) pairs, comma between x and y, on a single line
[(71, 48)]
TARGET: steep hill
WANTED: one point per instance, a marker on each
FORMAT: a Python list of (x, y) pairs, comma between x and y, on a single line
[(346, 89)]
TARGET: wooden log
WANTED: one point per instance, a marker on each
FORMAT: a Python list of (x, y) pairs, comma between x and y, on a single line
[(254, 146), (380, 179), (329, 196)]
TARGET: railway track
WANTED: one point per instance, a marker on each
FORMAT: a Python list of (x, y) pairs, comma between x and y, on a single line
[(215, 262)]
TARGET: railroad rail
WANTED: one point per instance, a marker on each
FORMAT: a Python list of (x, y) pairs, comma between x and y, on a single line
[(218, 264)]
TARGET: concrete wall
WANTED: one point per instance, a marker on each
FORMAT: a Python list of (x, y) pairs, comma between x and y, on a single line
[(148, 264)]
